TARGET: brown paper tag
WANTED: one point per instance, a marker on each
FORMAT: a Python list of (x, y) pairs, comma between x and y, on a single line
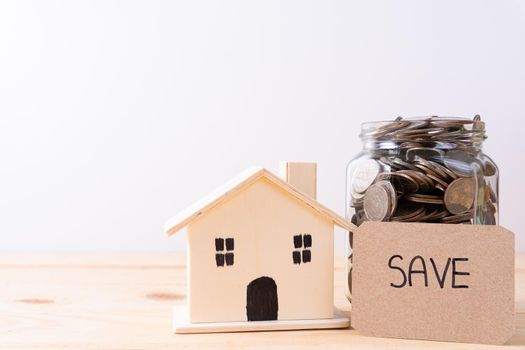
[(433, 281)]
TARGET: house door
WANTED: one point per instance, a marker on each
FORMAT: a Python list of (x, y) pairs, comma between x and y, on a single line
[(261, 299)]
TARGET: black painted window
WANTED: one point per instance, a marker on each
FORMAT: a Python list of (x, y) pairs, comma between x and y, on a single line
[(222, 255), (296, 257), (302, 244), (297, 241)]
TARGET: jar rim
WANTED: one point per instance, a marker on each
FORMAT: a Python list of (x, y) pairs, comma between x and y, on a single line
[(400, 119), (467, 132)]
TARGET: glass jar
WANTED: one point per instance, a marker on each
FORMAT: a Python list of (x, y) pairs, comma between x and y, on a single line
[(427, 169)]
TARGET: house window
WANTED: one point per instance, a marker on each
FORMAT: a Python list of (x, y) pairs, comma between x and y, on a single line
[(302, 252), (224, 251)]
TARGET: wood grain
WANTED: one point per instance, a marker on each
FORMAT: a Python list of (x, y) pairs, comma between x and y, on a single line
[(300, 175), (237, 185), (123, 301)]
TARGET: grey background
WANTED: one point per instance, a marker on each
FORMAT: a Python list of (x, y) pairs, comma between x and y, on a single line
[(114, 115)]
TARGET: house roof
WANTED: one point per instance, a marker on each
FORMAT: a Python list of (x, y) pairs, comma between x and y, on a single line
[(238, 184)]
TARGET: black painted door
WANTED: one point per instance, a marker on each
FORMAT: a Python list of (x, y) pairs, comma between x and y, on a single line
[(261, 300)]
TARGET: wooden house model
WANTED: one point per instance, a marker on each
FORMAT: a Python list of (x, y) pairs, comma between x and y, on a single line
[(260, 255)]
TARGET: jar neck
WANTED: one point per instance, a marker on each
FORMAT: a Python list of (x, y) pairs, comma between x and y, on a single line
[(431, 132), (373, 145)]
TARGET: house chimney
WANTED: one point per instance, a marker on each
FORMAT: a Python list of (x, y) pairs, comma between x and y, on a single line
[(302, 176)]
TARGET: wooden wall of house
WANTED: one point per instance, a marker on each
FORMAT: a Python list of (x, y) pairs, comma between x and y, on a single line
[(262, 220)]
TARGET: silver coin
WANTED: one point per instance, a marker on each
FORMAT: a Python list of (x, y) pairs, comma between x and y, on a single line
[(385, 129), (393, 196), (377, 204), (364, 175)]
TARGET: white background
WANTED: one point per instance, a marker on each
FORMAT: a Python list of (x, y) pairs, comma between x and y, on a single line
[(114, 115)]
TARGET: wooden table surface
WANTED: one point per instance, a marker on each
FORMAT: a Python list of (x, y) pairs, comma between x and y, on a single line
[(122, 301)]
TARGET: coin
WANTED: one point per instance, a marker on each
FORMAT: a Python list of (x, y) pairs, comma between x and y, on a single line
[(358, 218), (422, 177), (460, 162), (425, 170), (440, 168), (356, 199), (424, 198), (424, 183), (364, 175), (442, 184), (378, 202), (386, 128), (488, 216), (402, 182), (403, 165), (459, 196), (430, 215), (490, 194), (431, 131), (393, 196), (418, 218), (388, 163), (489, 168), (448, 123), (457, 218), (428, 167), (408, 145), (424, 152), (439, 215), (407, 210)]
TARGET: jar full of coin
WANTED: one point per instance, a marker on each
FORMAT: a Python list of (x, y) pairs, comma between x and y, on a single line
[(424, 169)]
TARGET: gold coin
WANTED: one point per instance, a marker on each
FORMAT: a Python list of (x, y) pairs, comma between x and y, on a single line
[(459, 196), (489, 168), (490, 195)]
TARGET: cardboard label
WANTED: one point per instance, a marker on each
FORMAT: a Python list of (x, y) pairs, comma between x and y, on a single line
[(433, 281)]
